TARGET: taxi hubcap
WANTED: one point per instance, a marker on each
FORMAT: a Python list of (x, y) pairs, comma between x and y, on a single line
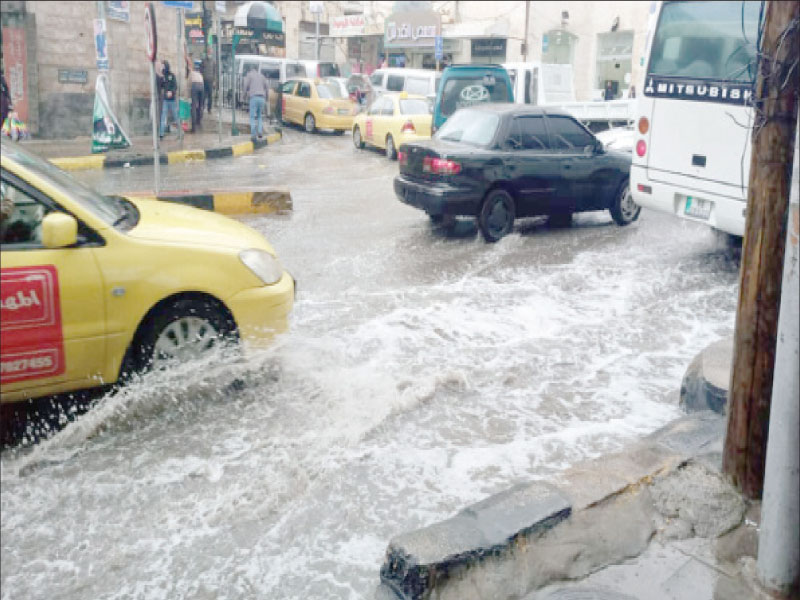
[(182, 340)]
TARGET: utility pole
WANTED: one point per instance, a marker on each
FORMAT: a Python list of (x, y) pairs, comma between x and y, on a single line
[(525, 44), (775, 107)]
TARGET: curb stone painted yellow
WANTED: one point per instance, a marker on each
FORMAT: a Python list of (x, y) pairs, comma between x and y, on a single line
[(180, 156), (79, 163), (242, 148), (267, 201), (274, 137)]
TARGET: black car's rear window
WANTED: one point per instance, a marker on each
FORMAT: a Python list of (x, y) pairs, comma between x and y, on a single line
[(474, 127), (463, 92)]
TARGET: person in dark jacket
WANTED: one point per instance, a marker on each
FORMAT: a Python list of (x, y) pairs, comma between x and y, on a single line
[(209, 80), (5, 98), (170, 88)]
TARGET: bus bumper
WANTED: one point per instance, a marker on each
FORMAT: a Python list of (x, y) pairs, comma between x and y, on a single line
[(725, 213)]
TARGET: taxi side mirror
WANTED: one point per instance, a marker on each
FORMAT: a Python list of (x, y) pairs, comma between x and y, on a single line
[(59, 230)]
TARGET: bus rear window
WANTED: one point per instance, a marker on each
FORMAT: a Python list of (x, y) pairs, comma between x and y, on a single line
[(706, 40)]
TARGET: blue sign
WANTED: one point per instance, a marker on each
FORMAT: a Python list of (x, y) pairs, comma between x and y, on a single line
[(187, 4), (438, 47), (545, 43)]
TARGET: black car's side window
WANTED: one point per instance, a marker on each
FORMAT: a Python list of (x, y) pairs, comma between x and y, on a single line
[(527, 133), (568, 134), (534, 133)]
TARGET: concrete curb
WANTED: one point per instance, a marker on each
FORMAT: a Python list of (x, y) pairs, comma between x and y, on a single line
[(230, 202), (97, 161), (528, 534)]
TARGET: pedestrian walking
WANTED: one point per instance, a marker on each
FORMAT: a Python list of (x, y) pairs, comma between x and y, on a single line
[(632, 92), (256, 88), (169, 86), (209, 80), (5, 98), (159, 71), (198, 89)]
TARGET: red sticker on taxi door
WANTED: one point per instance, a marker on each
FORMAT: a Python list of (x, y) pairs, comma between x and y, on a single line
[(369, 128), (32, 343)]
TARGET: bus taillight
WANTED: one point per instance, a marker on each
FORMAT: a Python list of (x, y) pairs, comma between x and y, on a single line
[(644, 126), (641, 148)]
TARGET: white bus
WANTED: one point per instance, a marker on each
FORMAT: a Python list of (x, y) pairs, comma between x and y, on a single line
[(692, 149)]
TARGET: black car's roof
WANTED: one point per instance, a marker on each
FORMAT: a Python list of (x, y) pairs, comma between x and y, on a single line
[(522, 109)]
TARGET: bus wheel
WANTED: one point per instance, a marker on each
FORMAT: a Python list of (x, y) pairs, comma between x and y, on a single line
[(624, 210)]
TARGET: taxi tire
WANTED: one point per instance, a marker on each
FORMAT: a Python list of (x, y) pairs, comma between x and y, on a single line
[(391, 150), (139, 358), (309, 123), (496, 215), (623, 209), (357, 141)]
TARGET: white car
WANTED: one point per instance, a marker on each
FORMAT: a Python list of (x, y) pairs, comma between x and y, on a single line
[(617, 138)]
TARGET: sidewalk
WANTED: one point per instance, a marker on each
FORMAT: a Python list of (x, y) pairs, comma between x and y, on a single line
[(76, 154)]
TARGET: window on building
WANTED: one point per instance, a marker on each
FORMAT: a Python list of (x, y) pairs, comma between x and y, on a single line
[(558, 47), (613, 68)]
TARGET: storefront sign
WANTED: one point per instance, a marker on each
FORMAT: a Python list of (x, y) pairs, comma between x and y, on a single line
[(412, 29), (16, 63), (119, 11), (703, 91), (73, 76), (348, 26), (489, 48)]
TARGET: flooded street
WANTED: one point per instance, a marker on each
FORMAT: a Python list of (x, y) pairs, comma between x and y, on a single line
[(423, 371)]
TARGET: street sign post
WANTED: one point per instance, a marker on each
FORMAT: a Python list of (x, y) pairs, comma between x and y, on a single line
[(438, 49), (151, 41)]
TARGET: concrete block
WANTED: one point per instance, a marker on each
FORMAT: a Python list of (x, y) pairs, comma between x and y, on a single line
[(420, 563), (705, 383), (699, 435)]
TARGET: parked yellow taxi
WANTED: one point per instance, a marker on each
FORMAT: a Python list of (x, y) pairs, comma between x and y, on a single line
[(316, 104), (97, 287), (392, 120)]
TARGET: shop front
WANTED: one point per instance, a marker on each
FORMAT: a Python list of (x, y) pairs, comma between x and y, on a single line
[(364, 42)]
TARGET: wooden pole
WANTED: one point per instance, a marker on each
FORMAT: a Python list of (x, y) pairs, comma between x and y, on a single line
[(775, 101)]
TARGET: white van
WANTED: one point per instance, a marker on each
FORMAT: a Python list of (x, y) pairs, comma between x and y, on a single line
[(320, 69), (541, 84), (276, 70), (414, 81)]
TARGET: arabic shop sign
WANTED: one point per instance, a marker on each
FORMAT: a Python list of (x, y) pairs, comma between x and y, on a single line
[(412, 29)]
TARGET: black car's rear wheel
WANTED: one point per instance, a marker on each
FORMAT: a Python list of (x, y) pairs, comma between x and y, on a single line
[(624, 210), (496, 217)]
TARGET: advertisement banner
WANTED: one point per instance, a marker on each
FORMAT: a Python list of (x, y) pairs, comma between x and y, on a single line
[(100, 46), (16, 69), (118, 10), (107, 134), (30, 316)]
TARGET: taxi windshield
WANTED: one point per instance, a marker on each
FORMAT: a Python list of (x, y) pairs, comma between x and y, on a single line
[(104, 208)]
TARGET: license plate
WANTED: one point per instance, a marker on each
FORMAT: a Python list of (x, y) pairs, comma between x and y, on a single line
[(697, 208)]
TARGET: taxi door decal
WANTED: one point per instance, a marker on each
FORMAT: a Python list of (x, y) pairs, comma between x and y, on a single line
[(32, 342), (369, 129)]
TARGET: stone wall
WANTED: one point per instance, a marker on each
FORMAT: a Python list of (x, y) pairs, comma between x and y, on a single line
[(65, 40)]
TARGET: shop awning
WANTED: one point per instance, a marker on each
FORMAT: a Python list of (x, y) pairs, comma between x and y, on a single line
[(258, 15)]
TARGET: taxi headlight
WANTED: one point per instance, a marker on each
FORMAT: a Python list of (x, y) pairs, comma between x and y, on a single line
[(263, 265)]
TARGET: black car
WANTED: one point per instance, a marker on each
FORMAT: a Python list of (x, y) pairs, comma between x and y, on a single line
[(497, 162)]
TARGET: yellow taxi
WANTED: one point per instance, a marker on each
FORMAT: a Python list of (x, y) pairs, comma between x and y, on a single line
[(96, 287), (316, 104), (392, 120)]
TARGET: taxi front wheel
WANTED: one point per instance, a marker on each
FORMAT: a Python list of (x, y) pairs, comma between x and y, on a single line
[(180, 332)]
